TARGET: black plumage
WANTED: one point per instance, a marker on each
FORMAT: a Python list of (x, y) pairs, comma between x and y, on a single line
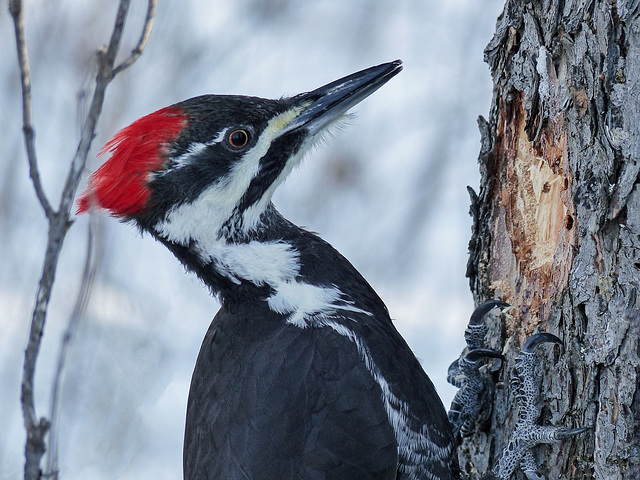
[(272, 400)]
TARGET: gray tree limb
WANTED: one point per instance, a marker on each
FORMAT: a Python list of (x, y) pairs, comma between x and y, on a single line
[(557, 225), (59, 220)]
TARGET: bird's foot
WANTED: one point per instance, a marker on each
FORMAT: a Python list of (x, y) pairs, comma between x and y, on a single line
[(527, 434), (471, 373)]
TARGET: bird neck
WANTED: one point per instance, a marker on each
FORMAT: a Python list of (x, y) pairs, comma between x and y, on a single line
[(297, 274)]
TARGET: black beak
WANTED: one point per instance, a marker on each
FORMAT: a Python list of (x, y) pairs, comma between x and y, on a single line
[(325, 104)]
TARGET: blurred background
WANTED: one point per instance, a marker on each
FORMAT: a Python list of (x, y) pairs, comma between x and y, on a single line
[(388, 191)]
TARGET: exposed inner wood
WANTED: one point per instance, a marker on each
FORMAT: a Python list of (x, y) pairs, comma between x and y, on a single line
[(535, 231)]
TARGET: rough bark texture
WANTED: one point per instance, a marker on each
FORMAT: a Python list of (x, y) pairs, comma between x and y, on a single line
[(557, 227)]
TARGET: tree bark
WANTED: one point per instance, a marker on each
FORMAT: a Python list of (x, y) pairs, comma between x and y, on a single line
[(557, 227)]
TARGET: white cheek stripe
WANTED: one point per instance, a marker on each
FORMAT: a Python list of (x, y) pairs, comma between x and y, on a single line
[(271, 263), (276, 264), (202, 219), (251, 216)]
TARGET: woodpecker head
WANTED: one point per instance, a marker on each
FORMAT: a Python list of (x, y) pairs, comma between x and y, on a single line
[(207, 167)]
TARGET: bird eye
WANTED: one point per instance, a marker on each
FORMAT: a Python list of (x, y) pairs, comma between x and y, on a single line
[(238, 138)]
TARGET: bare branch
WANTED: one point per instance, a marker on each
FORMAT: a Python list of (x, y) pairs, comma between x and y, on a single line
[(16, 10), (142, 43), (88, 276), (106, 60), (59, 221), (36, 430), (106, 73)]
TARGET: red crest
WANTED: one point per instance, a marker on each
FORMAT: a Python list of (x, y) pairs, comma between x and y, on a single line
[(120, 184)]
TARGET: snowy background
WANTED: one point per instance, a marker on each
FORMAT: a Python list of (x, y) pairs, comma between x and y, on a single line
[(388, 192)]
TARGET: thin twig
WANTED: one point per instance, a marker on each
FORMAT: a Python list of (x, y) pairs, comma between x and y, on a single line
[(59, 221), (88, 276), (16, 10), (36, 430), (142, 43), (106, 60)]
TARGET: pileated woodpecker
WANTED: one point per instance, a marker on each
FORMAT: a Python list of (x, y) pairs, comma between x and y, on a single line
[(302, 374)]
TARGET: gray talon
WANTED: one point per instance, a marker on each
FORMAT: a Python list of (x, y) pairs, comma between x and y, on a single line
[(479, 313), (529, 466), (563, 433), (476, 329), (473, 356), (538, 339)]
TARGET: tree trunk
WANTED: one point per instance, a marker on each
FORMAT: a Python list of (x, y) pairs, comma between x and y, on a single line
[(557, 227)]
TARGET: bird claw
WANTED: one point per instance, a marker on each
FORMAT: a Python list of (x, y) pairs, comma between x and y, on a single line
[(564, 433), (469, 373), (529, 466), (533, 476), (477, 328), (534, 341), (527, 433)]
